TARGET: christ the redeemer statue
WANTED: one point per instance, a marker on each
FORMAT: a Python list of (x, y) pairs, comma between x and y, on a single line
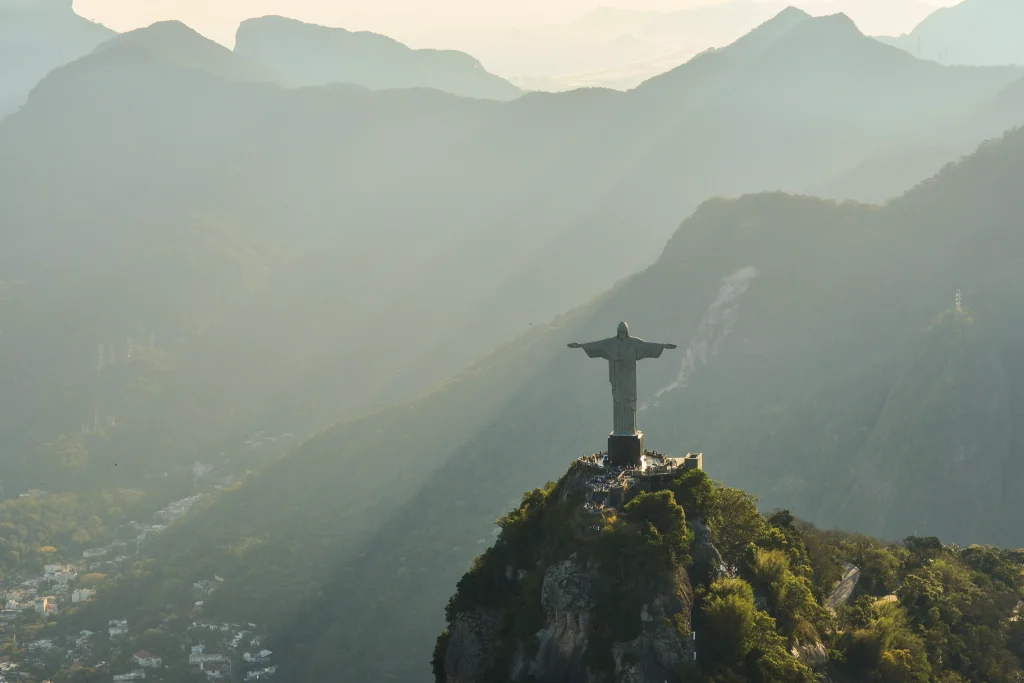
[(622, 352)]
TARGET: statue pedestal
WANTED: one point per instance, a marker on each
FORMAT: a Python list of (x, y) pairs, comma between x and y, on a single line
[(625, 450)]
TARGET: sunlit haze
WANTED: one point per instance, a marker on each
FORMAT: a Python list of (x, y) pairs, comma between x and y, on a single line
[(515, 38), (511, 341)]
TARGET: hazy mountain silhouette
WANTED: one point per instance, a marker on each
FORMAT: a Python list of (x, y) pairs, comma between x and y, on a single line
[(924, 152), (808, 358), (190, 197), (37, 36), (983, 32), (618, 47), (307, 54), (174, 43)]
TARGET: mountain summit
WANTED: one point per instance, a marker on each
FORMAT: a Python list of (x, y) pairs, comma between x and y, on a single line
[(611, 575), (175, 43), (308, 54), (37, 36)]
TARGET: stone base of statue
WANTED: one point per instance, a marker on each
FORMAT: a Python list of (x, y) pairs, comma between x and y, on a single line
[(625, 450)]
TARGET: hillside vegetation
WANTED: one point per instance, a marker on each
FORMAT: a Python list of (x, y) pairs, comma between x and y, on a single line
[(764, 609)]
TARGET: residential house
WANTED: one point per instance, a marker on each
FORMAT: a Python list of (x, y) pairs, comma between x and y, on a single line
[(215, 666), (260, 657), (82, 594), (117, 627), (94, 552), (217, 670), (146, 660), (46, 605), (135, 675)]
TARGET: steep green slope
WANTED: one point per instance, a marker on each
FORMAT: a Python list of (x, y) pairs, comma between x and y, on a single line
[(803, 349), (945, 432), (307, 54)]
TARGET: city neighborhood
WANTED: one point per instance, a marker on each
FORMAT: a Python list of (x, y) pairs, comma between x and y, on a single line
[(34, 650)]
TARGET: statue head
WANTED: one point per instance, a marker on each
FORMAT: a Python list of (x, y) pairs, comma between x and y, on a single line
[(623, 331)]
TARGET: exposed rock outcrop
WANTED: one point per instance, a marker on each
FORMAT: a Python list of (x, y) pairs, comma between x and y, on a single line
[(471, 646), (585, 611), (566, 596), (656, 654), (813, 655), (845, 589), (704, 551)]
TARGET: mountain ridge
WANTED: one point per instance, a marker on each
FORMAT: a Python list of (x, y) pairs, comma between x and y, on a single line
[(979, 32), (309, 54), (39, 37)]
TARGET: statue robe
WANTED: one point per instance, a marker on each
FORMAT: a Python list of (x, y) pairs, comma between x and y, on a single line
[(622, 355)]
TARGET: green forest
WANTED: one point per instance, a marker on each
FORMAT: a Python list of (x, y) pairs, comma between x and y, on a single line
[(922, 611), (44, 528)]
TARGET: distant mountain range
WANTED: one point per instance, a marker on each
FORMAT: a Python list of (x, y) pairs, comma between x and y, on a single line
[(37, 36), (306, 54), (620, 48), (982, 32), (186, 170)]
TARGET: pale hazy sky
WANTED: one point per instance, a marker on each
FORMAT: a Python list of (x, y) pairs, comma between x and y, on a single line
[(218, 19), (511, 37)]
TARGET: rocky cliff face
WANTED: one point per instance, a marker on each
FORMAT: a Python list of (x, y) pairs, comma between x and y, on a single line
[(677, 579), (571, 607), (558, 653)]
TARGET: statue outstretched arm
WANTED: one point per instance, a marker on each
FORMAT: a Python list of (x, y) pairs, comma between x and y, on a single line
[(646, 349), (596, 349)]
